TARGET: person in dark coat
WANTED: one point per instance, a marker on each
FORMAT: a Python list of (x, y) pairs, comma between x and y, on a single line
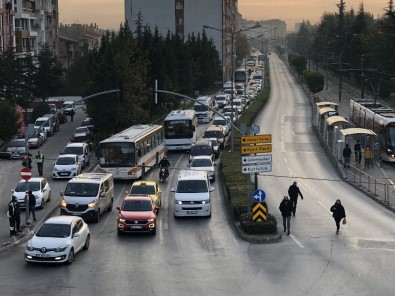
[(358, 152), (11, 215), (32, 205), (346, 156), (338, 214), (72, 114), (293, 193), (286, 211)]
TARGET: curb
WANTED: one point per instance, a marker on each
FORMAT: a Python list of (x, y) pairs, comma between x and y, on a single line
[(257, 238)]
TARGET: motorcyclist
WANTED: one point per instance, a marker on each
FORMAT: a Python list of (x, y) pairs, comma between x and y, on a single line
[(165, 163)]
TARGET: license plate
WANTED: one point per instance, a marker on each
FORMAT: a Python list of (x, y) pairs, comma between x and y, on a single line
[(43, 255), (136, 227), (21, 204), (192, 212), (63, 174), (75, 214)]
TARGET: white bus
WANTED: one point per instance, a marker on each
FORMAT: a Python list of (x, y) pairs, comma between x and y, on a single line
[(180, 129), (132, 152), (241, 76)]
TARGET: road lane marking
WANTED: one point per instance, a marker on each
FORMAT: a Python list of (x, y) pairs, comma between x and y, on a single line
[(296, 241), (115, 203)]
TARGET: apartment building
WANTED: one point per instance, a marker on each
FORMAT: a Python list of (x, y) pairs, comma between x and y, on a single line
[(26, 25), (189, 16)]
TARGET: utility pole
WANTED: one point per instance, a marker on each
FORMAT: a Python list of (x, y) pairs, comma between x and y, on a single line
[(340, 78), (363, 78)]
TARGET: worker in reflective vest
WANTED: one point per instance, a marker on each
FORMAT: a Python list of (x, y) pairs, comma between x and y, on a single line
[(40, 163)]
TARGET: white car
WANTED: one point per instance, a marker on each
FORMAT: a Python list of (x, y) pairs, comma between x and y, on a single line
[(203, 163), (227, 111), (82, 150), (39, 187), (66, 166), (218, 120), (58, 240)]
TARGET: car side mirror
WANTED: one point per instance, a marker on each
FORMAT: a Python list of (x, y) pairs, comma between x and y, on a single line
[(211, 189), (76, 235), (102, 194), (12, 191), (118, 208), (172, 190), (61, 193)]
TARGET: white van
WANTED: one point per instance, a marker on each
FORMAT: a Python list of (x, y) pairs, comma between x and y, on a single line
[(45, 122), (88, 195), (203, 108), (68, 106), (192, 194)]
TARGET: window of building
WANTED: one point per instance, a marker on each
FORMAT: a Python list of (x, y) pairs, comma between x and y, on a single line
[(180, 20), (179, 5)]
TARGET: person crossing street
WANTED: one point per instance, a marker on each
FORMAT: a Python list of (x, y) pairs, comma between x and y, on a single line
[(293, 193), (286, 212)]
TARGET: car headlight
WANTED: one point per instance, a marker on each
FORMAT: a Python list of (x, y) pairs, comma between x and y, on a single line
[(207, 201), (92, 204), (151, 220), (61, 248), (63, 203), (121, 220), (178, 202), (29, 247)]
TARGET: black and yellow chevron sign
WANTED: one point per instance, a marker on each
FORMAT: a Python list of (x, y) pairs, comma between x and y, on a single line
[(259, 212)]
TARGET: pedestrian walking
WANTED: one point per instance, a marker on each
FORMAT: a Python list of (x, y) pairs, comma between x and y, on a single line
[(368, 154), (72, 114), (338, 214), (294, 192), (11, 215), (346, 156), (286, 211), (358, 152), (32, 205), (40, 163)]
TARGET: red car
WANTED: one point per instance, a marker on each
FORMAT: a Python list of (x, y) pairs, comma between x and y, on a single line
[(137, 214)]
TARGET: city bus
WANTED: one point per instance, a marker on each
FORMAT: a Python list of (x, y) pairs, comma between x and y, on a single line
[(180, 129), (378, 118), (132, 152), (241, 76)]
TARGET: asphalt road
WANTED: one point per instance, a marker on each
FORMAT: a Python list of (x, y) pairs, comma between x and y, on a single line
[(205, 257)]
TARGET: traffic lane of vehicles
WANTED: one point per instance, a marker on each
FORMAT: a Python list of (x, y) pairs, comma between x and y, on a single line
[(10, 176)]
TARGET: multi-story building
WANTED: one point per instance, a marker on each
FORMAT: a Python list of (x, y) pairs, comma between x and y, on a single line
[(7, 32), (26, 25), (189, 16)]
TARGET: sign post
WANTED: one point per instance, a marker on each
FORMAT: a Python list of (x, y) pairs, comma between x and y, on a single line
[(26, 174)]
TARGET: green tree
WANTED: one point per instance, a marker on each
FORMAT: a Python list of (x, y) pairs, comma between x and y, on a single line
[(242, 46), (314, 80), (9, 121), (40, 110), (10, 76)]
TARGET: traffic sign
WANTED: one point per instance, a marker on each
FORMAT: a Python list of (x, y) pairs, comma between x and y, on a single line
[(256, 139), (259, 212), (26, 174), (259, 168), (255, 129), (255, 159), (265, 148), (259, 195)]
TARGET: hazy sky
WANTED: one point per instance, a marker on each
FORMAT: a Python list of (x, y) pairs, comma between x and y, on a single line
[(109, 14)]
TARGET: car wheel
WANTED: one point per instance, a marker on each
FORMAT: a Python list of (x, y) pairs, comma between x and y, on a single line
[(154, 231), (70, 259), (87, 243), (97, 218), (110, 206), (42, 203), (49, 197)]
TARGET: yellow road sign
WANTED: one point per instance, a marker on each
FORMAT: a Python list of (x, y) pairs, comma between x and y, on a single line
[(259, 212), (253, 149), (255, 139)]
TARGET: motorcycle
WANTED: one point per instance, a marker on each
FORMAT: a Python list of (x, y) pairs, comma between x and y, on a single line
[(163, 174)]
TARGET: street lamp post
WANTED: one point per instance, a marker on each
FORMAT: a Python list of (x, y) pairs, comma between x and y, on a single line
[(232, 33)]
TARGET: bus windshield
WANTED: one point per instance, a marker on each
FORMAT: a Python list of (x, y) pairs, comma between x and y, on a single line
[(200, 108), (178, 129), (117, 154), (391, 137), (240, 76)]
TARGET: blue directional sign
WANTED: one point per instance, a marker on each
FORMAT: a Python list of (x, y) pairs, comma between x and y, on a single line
[(259, 195), (255, 129)]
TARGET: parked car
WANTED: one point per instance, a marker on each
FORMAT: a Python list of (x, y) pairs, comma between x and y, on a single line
[(52, 108), (39, 187), (66, 166), (36, 140), (16, 148), (147, 187), (88, 123), (137, 214), (58, 240)]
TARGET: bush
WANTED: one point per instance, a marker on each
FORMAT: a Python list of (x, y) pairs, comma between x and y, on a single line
[(266, 227)]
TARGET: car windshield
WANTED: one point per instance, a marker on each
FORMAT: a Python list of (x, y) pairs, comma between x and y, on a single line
[(220, 122), (192, 186), (65, 161), (143, 189), (54, 230), (73, 150), (82, 189), (22, 186), (201, 150), (15, 143), (201, 163), (81, 130), (136, 206), (212, 134)]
